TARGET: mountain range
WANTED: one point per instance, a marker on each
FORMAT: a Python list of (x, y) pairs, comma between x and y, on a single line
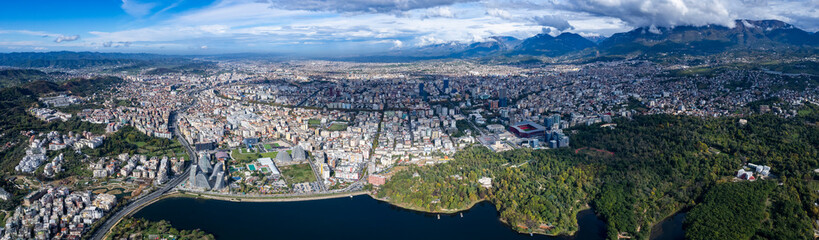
[(764, 35)]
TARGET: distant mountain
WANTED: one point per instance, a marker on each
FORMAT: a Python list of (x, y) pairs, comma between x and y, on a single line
[(438, 50), (495, 45), (492, 46), (709, 39), (76, 60), (596, 39), (545, 45)]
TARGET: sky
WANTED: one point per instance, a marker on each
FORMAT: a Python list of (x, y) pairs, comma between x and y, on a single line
[(349, 27)]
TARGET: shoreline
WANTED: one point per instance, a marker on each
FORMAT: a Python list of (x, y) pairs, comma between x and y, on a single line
[(263, 198), (472, 204), (407, 207), (197, 195)]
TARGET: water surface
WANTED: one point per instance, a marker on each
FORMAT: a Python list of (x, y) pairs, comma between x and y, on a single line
[(360, 217)]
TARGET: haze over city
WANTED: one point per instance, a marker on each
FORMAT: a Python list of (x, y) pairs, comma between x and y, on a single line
[(331, 28)]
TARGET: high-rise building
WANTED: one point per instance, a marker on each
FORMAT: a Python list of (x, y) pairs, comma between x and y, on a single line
[(493, 104), (503, 99), (421, 90), (553, 122), (446, 84)]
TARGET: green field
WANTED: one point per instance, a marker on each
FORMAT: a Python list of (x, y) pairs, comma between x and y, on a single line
[(298, 173), (338, 127), (244, 157), (313, 123), (269, 154)]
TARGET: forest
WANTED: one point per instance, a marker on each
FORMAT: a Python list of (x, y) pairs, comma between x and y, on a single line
[(136, 228), (636, 174)]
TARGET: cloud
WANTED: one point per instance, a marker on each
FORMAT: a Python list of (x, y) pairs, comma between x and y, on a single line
[(137, 9), (397, 44), (499, 13), (63, 38), (552, 21), (354, 25), (445, 12), (362, 6), (116, 44)]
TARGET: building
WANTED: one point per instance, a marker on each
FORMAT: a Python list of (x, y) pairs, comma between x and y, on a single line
[(376, 180), (485, 182), (105, 201), (222, 156), (745, 175), (298, 153), (4, 195), (250, 141), (553, 122), (528, 129), (207, 146), (268, 163), (503, 99), (762, 170)]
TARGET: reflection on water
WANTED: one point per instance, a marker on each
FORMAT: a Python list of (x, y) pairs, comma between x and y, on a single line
[(360, 217), (669, 229)]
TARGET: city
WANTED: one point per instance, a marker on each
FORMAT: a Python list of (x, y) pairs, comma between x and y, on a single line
[(662, 131)]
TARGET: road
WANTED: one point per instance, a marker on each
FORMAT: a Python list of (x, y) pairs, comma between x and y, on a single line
[(322, 187), (100, 233), (109, 224), (307, 98)]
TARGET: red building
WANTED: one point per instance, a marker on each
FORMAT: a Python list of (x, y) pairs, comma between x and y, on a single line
[(377, 180)]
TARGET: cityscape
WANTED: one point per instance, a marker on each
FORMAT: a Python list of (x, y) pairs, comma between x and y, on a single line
[(620, 123)]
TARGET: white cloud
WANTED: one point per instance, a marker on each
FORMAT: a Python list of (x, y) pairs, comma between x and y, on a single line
[(445, 12), (240, 25), (137, 9), (397, 44), (362, 6), (499, 13), (63, 38)]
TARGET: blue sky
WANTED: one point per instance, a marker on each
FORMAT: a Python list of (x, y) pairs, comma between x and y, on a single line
[(344, 27)]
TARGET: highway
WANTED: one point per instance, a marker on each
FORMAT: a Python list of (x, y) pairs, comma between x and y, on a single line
[(109, 224)]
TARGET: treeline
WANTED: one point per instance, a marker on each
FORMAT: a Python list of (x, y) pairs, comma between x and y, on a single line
[(124, 141), (749, 210), (663, 164), (634, 175), (137, 228), (14, 102), (14, 77), (534, 191)]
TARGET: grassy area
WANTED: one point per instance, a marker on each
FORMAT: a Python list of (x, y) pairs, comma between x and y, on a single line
[(313, 123), (269, 154), (298, 173), (338, 127), (244, 157)]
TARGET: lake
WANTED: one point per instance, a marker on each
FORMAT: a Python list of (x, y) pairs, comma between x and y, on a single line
[(670, 228), (359, 217)]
